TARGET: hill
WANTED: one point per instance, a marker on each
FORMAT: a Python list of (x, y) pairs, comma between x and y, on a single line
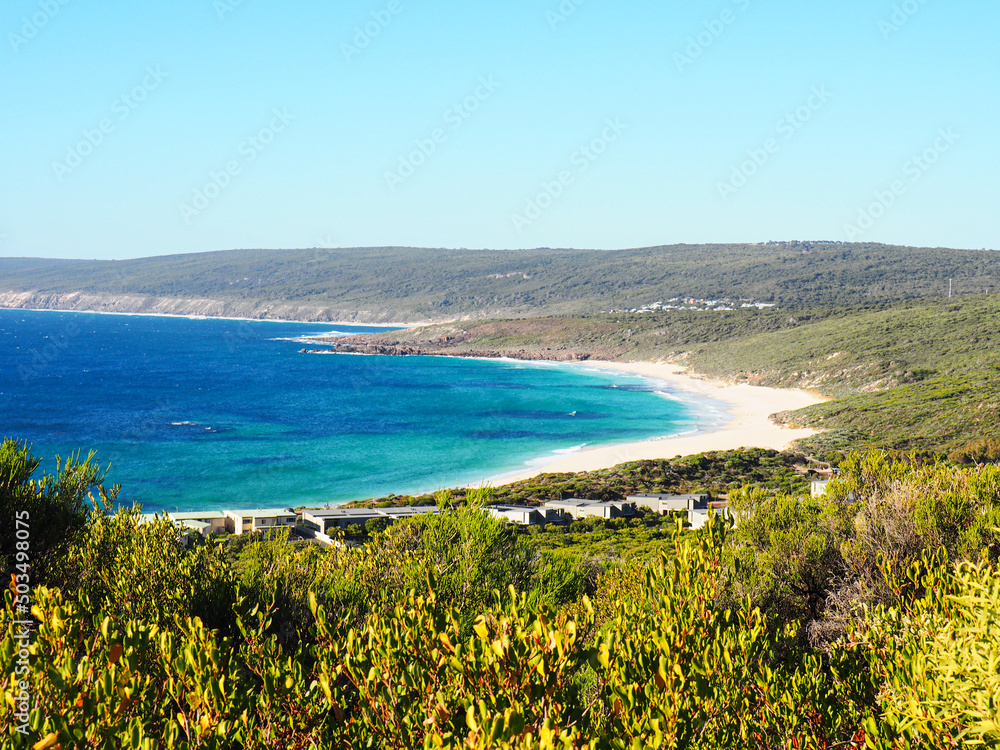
[(421, 285)]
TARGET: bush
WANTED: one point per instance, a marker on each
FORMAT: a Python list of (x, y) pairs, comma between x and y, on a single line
[(54, 507)]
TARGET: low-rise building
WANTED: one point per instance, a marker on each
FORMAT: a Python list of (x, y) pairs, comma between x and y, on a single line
[(819, 488), (576, 508), (326, 519), (662, 504), (408, 511), (525, 515), (204, 522), (696, 508), (259, 519)]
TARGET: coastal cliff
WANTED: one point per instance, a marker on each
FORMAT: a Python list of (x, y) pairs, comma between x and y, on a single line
[(213, 308)]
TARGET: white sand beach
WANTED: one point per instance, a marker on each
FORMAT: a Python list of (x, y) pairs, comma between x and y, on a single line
[(747, 422)]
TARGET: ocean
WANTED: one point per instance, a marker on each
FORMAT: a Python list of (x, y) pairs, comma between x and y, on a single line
[(214, 413)]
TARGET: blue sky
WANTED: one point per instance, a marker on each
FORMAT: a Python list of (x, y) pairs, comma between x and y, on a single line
[(133, 129)]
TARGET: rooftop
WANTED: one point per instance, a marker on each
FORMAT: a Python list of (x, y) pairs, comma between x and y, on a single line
[(340, 512)]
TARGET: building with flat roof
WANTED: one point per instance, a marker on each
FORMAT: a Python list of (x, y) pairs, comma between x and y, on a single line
[(259, 519), (408, 511), (205, 522), (696, 508), (663, 503), (525, 515), (576, 507), (326, 519), (819, 488)]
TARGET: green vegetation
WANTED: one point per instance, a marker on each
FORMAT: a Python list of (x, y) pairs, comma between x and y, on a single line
[(715, 473), (862, 619), (920, 376), (407, 284)]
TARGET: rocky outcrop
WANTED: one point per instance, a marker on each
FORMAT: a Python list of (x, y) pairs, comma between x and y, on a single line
[(213, 308), (408, 350)]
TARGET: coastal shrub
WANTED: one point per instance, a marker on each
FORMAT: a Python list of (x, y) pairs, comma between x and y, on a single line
[(469, 553), (936, 657), (277, 574), (784, 554), (905, 511), (679, 670), (453, 631), (979, 452), (130, 570), (52, 508), (715, 472), (668, 667)]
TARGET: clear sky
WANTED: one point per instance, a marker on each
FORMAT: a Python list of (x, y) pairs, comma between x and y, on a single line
[(147, 128)]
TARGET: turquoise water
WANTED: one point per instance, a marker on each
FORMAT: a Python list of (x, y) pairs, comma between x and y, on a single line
[(219, 413)]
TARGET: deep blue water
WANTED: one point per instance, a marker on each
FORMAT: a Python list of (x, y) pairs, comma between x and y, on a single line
[(220, 413)]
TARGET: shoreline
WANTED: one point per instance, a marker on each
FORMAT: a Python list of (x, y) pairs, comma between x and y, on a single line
[(746, 422), (391, 326), (727, 416)]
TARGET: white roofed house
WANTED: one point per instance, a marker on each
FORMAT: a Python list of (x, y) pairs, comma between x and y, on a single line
[(407, 511), (819, 487), (317, 523)]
